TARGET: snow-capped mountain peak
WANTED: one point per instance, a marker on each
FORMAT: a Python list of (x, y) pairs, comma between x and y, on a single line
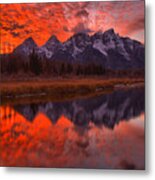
[(106, 48)]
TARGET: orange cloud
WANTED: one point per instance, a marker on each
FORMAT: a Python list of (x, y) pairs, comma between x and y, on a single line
[(42, 20)]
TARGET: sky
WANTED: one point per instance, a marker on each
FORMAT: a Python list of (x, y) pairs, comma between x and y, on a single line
[(42, 20)]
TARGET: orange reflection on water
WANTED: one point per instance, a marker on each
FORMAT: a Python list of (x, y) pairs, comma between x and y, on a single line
[(41, 143)]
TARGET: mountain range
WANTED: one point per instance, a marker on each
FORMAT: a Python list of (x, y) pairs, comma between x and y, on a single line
[(107, 49)]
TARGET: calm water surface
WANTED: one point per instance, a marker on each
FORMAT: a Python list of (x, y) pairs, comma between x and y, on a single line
[(105, 131)]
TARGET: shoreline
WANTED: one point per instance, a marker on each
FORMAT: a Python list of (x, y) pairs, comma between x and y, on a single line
[(64, 89)]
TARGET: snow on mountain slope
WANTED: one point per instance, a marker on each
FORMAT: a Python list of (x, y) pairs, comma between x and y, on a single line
[(106, 48)]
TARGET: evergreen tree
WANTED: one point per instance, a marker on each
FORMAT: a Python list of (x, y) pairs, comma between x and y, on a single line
[(35, 63)]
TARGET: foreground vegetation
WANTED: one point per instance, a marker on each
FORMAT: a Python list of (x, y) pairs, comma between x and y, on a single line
[(62, 89)]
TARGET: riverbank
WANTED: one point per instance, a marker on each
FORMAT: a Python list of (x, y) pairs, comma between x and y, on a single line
[(62, 89)]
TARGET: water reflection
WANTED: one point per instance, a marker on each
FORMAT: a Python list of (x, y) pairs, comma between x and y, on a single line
[(107, 109), (100, 132)]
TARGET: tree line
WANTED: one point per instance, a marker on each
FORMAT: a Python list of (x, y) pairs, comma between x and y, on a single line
[(37, 65), (33, 64)]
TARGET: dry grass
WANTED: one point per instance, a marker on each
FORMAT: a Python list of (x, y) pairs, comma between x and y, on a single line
[(59, 89)]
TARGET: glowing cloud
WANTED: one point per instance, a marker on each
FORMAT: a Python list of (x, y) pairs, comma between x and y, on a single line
[(41, 20)]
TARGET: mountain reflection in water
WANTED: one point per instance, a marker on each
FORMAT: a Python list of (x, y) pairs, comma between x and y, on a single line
[(105, 131), (107, 109)]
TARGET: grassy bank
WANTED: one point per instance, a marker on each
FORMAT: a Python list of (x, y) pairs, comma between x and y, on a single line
[(62, 89)]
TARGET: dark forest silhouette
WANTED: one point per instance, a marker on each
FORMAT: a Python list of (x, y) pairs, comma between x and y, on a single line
[(34, 64), (37, 65)]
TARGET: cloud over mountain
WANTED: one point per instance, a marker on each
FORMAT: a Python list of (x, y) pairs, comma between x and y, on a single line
[(40, 20)]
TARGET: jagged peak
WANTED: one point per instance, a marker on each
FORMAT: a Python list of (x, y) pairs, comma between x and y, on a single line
[(81, 34), (97, 35), (84, 35), (53, 38), (29, 40), (28, 43), (110, 34), (99, 32), (109, 31)]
